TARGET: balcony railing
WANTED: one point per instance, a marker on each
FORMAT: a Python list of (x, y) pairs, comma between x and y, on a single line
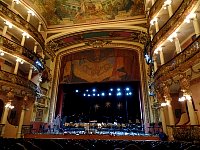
[(187, 133), (18, 80), (175, 21), (182, 61), (17, 49), (155, 8), (21, 23)]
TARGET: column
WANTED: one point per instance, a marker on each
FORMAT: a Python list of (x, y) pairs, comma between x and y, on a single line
[(5, 28), (4, 119), (156, 25), (39, 26), (23, 40), (35, 48), (16, 67), (170, 11), (155, 63), (21, 121), (164, 126), (192, 113), (152, 2), (30, 73), (170, 113), (196, 26), (162, 60), (28, 17), (178, 45)]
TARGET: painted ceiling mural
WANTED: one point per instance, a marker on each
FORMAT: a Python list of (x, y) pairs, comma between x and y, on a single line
[(62, 12), (100, 65)]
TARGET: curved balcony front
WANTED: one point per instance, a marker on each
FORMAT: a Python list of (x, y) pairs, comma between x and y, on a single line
[(16, 82), (189, 57), (19, 22), (155, 8), (173, 23), (18, 50)]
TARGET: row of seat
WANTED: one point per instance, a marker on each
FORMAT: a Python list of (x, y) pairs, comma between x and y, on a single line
[(70, 144)]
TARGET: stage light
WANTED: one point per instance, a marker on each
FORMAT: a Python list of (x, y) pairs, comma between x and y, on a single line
[(127, 94), (111, 89), (119, 94), (88, 95), (102, 94), (84, 94), (76, 91), (118, 89), (94, 94), (87, 90), (94, 90), (130, 93), (97, 94), (109, 94), (127, 89)]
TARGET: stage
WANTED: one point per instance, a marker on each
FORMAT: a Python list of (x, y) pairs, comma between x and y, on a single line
[(93, 137)]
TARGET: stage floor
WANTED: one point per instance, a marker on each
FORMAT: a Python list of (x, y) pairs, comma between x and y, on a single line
[(92, 137)]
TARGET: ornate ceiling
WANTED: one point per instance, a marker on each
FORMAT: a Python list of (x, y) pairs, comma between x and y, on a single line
[(73, 12)]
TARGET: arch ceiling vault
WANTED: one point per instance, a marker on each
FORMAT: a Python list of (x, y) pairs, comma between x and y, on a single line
[(74, 26)]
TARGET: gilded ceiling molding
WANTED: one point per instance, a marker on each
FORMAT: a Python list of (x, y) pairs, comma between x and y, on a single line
[(68, 51), (173, 23), (79, 31)]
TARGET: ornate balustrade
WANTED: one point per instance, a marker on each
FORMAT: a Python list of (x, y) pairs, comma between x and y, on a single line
[(187, 133), (14, 48), (21, 23), (155, 8), (13, 79), (181, 62), (172, 24)]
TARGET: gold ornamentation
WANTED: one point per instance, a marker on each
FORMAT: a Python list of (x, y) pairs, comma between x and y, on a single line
[(97, 43)]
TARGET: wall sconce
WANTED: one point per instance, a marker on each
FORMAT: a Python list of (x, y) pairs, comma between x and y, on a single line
[(190, 17), (184, 98), (9, 105), (1, 53), (172, 36), (20, 60), (31, 12), (155, 19), (167, 3), (10, 25), (25, 34)]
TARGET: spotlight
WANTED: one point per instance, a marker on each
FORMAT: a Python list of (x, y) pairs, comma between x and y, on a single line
[(118, 89), (76, 91), (127, 89), (127, 94), (111, 89), (102, 94), (88, 95), (84, 94), (130, 93), (109, 94), (119, 94), (86, 90), (94, 94), (97, 94), (94, 90)]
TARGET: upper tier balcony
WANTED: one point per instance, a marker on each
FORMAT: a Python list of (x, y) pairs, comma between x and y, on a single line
[(180, 63), (155, 8), (21, 23), (17, 83), (17, 50)]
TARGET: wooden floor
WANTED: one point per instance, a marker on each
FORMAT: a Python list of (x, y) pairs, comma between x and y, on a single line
[(91, 137)]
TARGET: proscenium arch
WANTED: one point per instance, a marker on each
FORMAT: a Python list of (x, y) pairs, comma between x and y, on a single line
[(68, 51)]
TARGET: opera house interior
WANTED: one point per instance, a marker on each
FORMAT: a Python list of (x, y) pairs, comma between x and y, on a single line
[(91, 74)]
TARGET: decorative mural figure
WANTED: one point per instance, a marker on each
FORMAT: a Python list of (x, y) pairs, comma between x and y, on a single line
[(100, 65), (88, 11)]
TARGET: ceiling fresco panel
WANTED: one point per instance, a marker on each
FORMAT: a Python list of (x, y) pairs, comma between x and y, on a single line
[(70, 12)]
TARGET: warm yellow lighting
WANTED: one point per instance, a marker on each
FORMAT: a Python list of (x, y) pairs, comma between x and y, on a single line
[(26, 34), (20, 60), (172, 36), (163, 104), (8, 105), (16, 1), (167, 2), (158, 50), (190, 17), (8, 24), (188, 97), (31, 12), (153, 20), (1, 53)]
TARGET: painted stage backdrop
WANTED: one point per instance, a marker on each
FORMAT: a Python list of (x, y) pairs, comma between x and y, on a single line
[(87, 11), (100, 65)]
